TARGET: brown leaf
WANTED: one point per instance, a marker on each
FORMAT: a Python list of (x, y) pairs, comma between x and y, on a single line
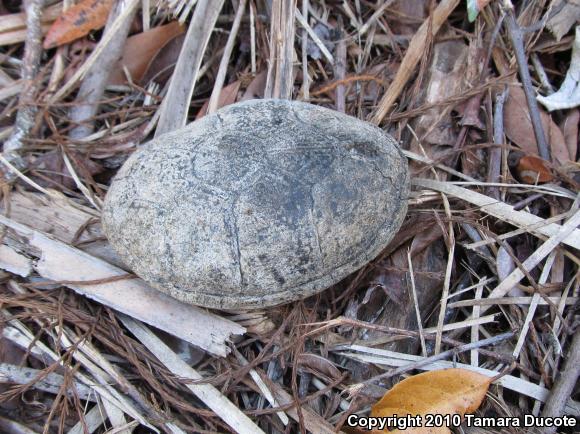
[(445, 392), (256, 87), (55, 173), (319, 364), (228, 95), (141, 49), (532, 170), (78, 21), (570, 129), (519, 129), (474, 162), (161, 66), (425, 238)]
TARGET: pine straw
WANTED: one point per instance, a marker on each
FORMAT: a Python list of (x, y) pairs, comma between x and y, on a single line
[(307, 365)]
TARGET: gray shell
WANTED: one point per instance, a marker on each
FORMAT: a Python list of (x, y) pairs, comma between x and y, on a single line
[(264, 202)]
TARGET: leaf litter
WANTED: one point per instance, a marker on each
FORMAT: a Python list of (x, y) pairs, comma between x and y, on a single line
[(479, 288)]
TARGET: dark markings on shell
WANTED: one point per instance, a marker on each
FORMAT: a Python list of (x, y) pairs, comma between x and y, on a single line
[(264, 202)]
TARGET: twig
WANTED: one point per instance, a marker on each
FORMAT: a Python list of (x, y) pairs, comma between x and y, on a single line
[(305, 76), (534, 303), (262, 386), (530, 222), (223, 68), (175, 106), (494, 170), (96, 55), (49, 383), (253, 37), (475, 329), (542, 76), (30, 68), (416, 303), (211, 397), (445, 354), (517, 39), (340, 70), (450, 241), (535, 258), (302, 21), (412, 57), (564, 386), (280, 78), (94, 82), (378, 13)]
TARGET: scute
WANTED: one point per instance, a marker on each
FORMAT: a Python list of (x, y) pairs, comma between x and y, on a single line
[(261, 203)]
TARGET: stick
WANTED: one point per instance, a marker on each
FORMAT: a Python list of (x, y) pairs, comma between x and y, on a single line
[(340, 70), (280, 79), (60, 262), (502, 211), (30, 68), (494, 170), (175, 106), (535, 258), (97, 54), (223, 68), (302, 21), (305, 77), (516, 37), (428, 360), (564, 386), (412, 57), (93, 85), (211, 397)]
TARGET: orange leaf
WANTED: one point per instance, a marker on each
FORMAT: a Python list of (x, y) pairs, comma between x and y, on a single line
[(78, 21), (519, 129), (532, 170), (141, 49), (444, 392)]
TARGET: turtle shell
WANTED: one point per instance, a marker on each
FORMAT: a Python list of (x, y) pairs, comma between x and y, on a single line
[(261, 203)]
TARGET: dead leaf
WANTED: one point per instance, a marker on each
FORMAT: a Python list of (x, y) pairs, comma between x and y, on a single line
[(77, 22), (533, 170), (519, 129), (228, 95), (445, 392), (474, 163), (570, 129), (256, 87), (425, 238), (161, 66), (141, 49), (319, 364), (568, 12), (414, 11), (55, 173)]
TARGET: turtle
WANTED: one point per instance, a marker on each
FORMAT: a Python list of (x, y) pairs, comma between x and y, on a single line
[(261, 203)]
